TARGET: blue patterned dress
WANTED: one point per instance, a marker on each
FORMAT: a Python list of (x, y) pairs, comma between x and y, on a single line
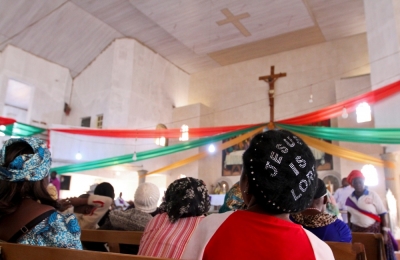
[(55, 231)]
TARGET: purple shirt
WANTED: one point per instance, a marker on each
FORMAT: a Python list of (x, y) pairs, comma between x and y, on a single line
[(56, 183)]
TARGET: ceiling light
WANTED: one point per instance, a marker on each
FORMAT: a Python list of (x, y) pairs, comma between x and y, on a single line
[(78, 156), (211, 148)]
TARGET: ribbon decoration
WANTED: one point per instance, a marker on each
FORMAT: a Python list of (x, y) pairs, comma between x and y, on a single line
[(202, 155), (350, 104), (360, 135), (344, 152), (154, 133), (149, 154), (6, 121), (22, 130)]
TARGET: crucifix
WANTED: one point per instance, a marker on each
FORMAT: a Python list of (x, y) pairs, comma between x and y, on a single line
[(270, 79)]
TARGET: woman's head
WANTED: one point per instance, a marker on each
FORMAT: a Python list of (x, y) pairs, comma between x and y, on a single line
[(279, 172), (356, 180), (186, 197), (146, 197), (24, 166), (105, 189), (24, 159)]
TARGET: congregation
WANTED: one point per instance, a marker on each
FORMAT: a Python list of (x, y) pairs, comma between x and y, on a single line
[(279, 201)]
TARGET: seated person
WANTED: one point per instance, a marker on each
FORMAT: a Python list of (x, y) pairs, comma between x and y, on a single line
[(120, 203), (135, 219), (322, 224), (89, 209), (27, 212), (278, 178), (166, 235)]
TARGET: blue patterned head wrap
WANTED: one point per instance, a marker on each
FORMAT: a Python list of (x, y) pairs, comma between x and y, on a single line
[(26, 167)]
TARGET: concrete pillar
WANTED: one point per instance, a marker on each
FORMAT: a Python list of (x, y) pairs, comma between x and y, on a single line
[(392, 178)]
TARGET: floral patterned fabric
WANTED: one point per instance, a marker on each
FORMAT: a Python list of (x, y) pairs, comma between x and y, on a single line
[(55, 231), (186, 197), (26, 167)]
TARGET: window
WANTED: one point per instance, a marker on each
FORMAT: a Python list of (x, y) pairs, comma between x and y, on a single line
[(100, 121), (184, 133), (363, 111), (85, 122), (161, 141)]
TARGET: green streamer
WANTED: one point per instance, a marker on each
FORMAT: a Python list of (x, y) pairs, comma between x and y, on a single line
[(359, 135), (21, 130), (148, 154)]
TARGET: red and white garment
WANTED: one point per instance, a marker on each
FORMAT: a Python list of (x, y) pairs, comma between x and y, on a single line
[(101, 205), (162, 238), (249, 235)]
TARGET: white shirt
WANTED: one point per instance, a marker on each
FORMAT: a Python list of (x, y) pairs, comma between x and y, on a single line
[(341, 196), (369, 201)]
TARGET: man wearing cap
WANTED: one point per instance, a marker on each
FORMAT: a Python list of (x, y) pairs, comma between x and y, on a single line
[(325, 226)]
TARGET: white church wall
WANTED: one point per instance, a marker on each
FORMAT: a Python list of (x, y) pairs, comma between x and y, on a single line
[(238, 97), (195, 115), (49, 81), (133, 87), (354, 86), (91, 89)]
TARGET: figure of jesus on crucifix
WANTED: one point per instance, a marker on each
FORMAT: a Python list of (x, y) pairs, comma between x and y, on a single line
[(270, 79)]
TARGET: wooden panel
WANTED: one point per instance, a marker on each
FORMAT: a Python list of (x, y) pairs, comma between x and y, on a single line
[(16, 15), (121, 237), (339, 18), (281, 43), (347, 251), (374, 245), (19, 251), (194, 23), (62, 38), (128, 20)]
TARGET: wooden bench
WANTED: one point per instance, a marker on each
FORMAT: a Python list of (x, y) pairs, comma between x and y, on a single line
[(112, 237), (347, 251), (18, 251), (373, 243)]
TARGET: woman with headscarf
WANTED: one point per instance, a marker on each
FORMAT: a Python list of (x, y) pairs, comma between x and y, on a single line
[(27, 212), (366, 211), (166, 235), (278, 178), (322, 224)]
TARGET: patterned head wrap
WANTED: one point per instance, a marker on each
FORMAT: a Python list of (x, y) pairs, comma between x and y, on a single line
[(233, 199), (26, 167), (186, 197)]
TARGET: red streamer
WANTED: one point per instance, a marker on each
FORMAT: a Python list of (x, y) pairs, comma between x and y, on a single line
[(156, 133), (6, 121), (350, 105)]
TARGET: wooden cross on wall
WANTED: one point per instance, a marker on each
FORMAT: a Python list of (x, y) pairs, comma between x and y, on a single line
[(270, 79)]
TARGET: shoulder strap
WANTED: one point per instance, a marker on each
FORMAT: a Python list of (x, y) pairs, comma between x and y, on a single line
[(27, 216), (351, 203)]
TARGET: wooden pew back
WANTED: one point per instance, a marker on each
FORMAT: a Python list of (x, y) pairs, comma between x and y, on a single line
[(373, 243), (112, 237), (18, 251), (347, 251)]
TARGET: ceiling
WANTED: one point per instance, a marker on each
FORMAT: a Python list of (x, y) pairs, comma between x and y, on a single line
[(195, 35)]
